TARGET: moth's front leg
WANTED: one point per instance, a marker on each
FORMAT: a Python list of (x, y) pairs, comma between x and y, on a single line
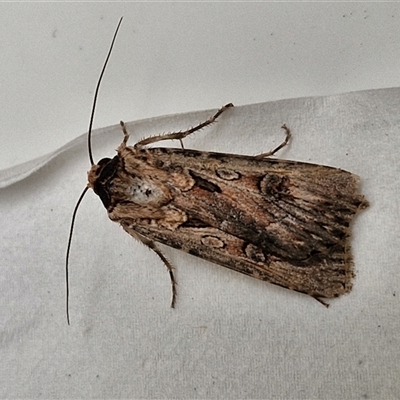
[(151, 245), (181, 135)]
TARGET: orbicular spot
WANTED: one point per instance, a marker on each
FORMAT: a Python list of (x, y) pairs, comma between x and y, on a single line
[(227, 174), (254, 253), (212, 241), (273, 185)]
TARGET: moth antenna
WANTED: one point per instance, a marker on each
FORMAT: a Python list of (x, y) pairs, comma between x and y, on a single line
[(92, 163), (71, 229), (96, 93)]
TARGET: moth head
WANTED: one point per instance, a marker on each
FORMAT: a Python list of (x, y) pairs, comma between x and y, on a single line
[(100, 177)]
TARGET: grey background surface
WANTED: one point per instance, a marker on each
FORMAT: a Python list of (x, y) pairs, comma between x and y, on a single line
[(230, 336), (179, 57)]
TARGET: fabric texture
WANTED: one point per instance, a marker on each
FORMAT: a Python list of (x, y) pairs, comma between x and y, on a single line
[(230, 336)]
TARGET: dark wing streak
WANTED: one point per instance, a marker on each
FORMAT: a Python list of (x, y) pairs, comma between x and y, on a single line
[(275, 233), (326, 217)]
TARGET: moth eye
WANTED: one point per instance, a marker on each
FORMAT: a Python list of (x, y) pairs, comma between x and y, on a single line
[(104, 196), (101, 165), (106, 171), (107, 168), (103, 161)]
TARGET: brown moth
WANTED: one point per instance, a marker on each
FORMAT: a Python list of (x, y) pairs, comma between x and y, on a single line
[(284, 222)]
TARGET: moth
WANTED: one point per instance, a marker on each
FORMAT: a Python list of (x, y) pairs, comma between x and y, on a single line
[(280, 221)]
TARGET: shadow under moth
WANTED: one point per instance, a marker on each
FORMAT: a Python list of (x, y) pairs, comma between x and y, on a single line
[(283, 222)]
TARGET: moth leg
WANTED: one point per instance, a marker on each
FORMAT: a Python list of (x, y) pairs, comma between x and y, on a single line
[(181, 135), (283, 144), (151, 245)]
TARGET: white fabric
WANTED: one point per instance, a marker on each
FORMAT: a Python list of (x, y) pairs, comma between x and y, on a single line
[(230, 336)]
